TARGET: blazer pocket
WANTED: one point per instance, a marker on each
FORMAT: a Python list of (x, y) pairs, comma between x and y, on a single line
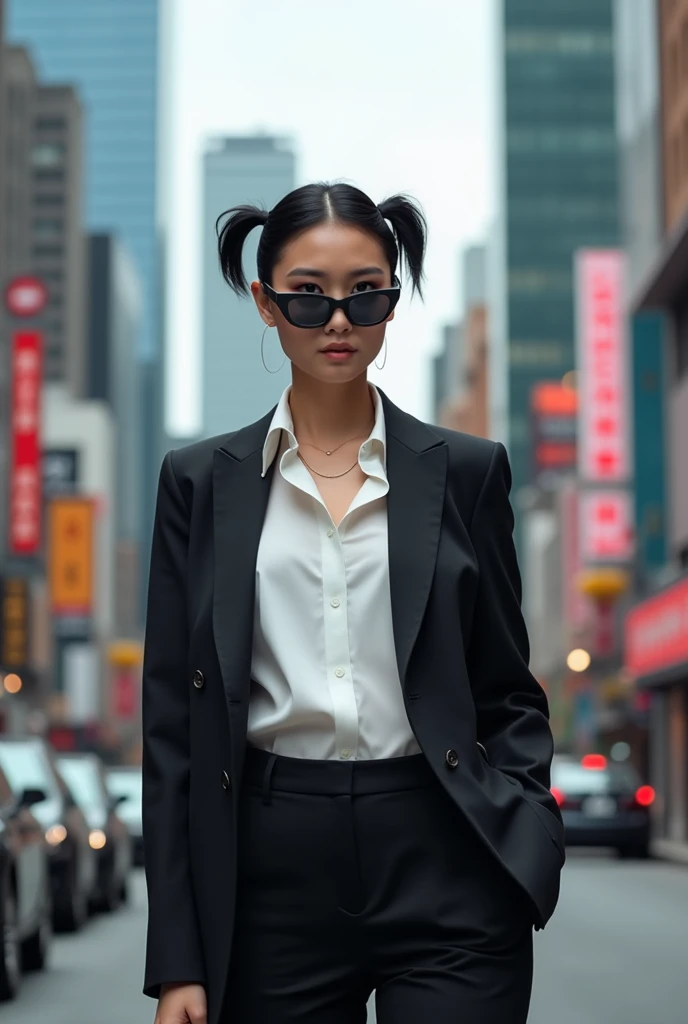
[(553, 826)]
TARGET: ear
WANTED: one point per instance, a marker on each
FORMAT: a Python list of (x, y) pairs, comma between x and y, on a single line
[(263, 303)]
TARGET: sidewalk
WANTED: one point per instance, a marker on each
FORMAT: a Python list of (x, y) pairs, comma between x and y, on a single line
[(670, 849)]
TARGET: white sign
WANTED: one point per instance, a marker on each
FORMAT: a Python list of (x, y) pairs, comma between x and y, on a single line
[(603, 440), (606, 526)]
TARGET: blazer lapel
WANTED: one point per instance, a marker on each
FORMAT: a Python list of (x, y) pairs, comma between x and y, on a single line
[(417, 472), (240, 498)]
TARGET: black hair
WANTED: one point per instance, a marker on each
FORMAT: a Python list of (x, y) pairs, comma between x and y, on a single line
[(310, 205)]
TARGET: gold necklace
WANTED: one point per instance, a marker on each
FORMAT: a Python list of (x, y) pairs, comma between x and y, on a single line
[(309, 444), (327, 476)]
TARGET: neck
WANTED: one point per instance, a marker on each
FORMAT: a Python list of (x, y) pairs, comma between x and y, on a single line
[(327, 414)]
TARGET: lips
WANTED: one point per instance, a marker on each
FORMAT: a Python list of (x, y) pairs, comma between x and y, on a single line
[(339, 348)]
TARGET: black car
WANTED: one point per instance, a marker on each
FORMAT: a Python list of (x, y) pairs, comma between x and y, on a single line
[(124, 781), (109, 836), (25, 907), (603, 803), (29, 763)]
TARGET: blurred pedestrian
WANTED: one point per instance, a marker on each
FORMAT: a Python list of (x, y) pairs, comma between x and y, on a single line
[(346, 759)]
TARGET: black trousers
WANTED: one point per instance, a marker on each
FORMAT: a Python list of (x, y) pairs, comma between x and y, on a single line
[(362, 876)]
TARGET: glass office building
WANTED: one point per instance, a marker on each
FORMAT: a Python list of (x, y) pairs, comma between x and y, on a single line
[(109, 50), (558, 192)]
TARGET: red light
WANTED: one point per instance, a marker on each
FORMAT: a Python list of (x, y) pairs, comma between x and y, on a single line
[(558, 796), (595, 761), (645, 796)]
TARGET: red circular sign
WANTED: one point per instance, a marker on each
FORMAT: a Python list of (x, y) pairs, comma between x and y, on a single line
[(26, 296)]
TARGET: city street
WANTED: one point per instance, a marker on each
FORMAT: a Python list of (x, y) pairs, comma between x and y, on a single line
[(614, 954)]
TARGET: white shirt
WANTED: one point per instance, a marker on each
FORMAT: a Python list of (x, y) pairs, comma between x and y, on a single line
[(325, 682)]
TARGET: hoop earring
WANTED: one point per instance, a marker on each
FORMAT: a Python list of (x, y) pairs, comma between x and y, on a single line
[(262, 354), (385, 347)]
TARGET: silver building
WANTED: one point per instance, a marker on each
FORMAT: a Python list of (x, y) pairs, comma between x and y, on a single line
[(236, 388)]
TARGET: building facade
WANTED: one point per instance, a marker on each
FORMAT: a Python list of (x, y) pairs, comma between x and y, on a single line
[(114, 376), (557, 192), (657, 628), (110, 52), (236, 388)]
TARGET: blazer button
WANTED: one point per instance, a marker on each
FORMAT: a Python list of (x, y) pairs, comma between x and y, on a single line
[(198, 679), (452, 758), (225, 781)]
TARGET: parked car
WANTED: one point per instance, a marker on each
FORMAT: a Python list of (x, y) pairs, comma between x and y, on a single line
[(125, 781), (25, 906), (109, 836), (603, 803), (29, 763)]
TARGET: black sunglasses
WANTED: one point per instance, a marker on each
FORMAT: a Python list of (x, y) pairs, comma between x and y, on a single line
[(310, 309)]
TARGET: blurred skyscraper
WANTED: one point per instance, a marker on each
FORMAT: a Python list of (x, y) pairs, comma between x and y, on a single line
[(236, 388), (558, 191), (110, 50)]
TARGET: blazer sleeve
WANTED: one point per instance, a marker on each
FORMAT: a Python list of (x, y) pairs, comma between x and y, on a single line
[(173, 951), (511, 706)]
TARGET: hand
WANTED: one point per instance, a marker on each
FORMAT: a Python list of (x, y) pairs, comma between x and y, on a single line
[(182, 1004)]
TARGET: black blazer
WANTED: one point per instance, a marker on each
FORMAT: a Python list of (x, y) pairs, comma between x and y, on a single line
[(461, 647)]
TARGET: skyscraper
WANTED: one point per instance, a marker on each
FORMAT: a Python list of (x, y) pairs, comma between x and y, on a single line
[(558, 191), (110, 51), (236, 388)]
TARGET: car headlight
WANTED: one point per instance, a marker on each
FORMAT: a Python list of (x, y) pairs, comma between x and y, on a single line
[(55, 835), (97, 839)]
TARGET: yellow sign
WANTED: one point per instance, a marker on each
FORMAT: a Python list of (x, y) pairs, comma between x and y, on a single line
[(70, 554), (15, 623)]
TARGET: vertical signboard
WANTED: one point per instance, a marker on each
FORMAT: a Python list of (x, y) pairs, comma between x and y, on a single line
[(554, 416), (14, 623), (603, 435), (70, 556), (607, 529), (25, 469)]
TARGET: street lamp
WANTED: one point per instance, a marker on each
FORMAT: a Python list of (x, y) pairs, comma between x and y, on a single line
[(578, 660)]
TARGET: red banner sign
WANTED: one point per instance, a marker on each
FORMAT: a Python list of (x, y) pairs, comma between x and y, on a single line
[(603, 442), (656, 632), (25, 469), (606, 527)]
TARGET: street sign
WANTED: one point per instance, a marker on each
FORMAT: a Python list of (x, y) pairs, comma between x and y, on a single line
[(26, 296)]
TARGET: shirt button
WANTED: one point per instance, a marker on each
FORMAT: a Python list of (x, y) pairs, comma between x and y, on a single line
[(330, 533), (345, 753), (335, 602), (339, 672)]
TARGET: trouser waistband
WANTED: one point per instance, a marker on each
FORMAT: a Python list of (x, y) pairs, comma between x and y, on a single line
[(335, 778)]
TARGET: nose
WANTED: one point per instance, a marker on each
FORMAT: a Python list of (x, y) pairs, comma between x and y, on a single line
[(338, 323)]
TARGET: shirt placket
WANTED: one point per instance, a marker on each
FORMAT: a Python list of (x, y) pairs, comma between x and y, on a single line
[(337, 649)]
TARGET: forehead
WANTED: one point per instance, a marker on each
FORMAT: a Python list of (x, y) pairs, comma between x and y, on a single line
[(332, 247)]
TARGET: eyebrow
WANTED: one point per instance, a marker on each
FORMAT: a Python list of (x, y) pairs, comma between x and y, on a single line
[(311, 272)]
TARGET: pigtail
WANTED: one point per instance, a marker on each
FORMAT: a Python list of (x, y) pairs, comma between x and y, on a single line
[(241, 220), (410, 231)]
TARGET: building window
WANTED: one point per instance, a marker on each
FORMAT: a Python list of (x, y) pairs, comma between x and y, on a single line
[(48, 174), (50, 124), (537, 353), (44, 251), (48, 154), (48, 228), (47, 199)]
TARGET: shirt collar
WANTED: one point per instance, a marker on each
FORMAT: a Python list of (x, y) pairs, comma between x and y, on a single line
[(282, 421)]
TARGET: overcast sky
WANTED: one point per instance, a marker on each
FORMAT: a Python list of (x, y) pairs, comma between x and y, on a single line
[(388, 101)]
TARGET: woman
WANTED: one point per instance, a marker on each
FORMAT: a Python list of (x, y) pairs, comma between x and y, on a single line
[(346, 758)]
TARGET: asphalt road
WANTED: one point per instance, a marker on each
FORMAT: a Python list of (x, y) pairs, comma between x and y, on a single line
[(615, 953)]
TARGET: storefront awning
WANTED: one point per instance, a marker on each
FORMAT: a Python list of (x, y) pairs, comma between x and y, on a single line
[(656, 637), (668, 277)]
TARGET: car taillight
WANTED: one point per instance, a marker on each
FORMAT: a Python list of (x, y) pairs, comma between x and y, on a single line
[(645, 796), (598, 762), (558, 795)]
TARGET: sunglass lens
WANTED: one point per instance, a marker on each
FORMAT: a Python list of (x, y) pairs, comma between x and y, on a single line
[(369, 308), (309, 310)]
